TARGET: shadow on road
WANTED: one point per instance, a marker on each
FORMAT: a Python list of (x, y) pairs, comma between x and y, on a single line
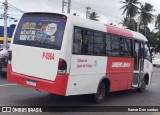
[(45, 99)]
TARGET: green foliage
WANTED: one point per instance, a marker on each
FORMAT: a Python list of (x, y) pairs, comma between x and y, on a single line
[(130, 24), (157, 23), (133, 8), (93, 16), (130, 8), (146, 16)]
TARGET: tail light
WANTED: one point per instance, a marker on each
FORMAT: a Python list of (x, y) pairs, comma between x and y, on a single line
[(62, 66), (10, 56)]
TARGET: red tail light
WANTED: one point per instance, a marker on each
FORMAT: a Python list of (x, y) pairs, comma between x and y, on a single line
[(10, 55), (62, 66)]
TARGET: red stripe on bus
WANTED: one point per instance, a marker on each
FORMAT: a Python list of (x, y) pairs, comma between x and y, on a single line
[(58, 86), (120, 71), (119, 31)]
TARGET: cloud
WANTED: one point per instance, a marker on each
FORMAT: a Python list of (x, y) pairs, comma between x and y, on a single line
[(108, 9)]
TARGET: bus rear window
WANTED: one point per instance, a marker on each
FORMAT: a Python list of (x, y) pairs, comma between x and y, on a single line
[(41, 30)]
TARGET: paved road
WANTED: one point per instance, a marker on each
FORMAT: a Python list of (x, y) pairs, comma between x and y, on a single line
[(12, 94)]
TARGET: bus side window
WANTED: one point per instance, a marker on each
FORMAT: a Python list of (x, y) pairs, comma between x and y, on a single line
[(108, 45), (127, 50), (115, 45), (98, 44), (77, 41), (88, 42)]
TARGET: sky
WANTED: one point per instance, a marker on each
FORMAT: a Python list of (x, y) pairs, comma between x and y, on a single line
[(108, 10)]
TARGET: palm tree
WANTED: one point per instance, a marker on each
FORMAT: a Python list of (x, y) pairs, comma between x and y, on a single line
[(157, 23), (93, 16), (146, 16), (129, 24), (130, 8)]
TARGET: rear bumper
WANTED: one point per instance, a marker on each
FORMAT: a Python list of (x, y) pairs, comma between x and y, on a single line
[(58, 86)]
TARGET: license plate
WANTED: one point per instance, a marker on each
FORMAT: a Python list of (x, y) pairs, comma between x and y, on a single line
[(32, 83), (4, 69)]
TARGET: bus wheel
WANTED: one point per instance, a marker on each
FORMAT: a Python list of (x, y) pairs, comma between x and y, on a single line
[(101, 93), (143, 86)]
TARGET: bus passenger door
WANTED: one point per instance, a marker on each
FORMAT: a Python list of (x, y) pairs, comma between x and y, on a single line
[(138, 63)]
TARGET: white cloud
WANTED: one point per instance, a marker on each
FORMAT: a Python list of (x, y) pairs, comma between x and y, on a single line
[(109, 10)]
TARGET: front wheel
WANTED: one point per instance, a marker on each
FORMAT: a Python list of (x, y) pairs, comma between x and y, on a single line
[(143, 86), (100, 95)]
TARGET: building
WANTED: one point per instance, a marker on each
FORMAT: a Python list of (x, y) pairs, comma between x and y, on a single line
[(10, 31)]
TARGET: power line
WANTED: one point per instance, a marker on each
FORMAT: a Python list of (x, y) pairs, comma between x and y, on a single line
[(16, 8), (95, 9), (11, 8)]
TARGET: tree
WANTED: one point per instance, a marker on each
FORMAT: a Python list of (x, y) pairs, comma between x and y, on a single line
[(129, 24), (93, 16), (130, 8), (157, 23), (145, 15)]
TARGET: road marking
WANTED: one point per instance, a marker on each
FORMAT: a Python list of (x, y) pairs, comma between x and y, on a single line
[(7, 85)]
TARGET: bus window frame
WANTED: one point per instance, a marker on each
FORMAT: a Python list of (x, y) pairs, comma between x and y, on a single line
[(149, 58), (103, 35)]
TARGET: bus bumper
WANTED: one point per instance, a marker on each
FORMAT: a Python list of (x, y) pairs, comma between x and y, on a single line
[(58, 86)]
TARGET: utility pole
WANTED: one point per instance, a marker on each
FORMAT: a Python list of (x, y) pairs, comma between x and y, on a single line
[(5, 24), (69, 6), (88, 8), (63, 4)]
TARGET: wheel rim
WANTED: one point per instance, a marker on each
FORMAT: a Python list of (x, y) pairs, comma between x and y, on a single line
[(143, 85), (101, 92)]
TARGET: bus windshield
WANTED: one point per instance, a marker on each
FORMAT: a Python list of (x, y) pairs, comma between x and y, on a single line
[(40, 30)]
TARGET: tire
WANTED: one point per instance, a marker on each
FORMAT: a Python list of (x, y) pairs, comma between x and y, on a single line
[(3, 74), (100, 95), (143, 86)]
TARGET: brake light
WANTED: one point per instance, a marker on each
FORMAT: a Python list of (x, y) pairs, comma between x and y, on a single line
[(62, 66), (10, 56)]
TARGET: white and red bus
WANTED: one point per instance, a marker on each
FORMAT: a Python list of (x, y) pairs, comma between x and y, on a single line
[(67, 55)]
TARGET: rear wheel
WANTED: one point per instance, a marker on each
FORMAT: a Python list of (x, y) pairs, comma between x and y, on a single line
[(143, 86), (101, 93), (3, 74)]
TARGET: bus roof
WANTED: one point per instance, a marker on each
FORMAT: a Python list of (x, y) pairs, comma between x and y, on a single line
[(95, 25)]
